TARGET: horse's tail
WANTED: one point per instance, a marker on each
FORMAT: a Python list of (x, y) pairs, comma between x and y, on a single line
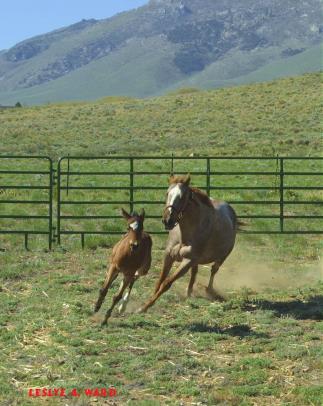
[(240, 224)]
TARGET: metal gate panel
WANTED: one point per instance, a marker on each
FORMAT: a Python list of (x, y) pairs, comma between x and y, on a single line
[(26, 182), (250, 182)]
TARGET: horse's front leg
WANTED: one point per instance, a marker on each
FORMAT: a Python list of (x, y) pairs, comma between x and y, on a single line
[(167, 265), (184, 267), (116, 299), (110, 277)]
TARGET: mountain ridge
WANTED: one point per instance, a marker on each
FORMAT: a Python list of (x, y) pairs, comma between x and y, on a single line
[(185, 37)]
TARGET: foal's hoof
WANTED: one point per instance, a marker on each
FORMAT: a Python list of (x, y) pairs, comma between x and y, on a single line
[(122, 308), (104, 323), (213, 295), (141, 310)]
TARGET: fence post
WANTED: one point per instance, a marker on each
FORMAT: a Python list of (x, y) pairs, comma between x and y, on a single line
[(281, 194), (58, 225), (172, 165), (131, 185), (68, 174), (208, 170), (26, 241), (51, 184)]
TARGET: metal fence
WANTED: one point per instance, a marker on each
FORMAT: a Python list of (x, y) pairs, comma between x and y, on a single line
[(143, 181), (34, 189), (270, 193)]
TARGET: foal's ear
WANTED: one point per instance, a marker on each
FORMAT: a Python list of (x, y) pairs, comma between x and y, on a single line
[(187, 179), (142, 214), (125, 214)]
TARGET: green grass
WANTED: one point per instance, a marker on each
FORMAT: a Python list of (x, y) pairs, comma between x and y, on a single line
[(261, 346), (255, 348), (265, 119)]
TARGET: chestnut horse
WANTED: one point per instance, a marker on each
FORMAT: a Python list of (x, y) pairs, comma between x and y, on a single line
[(201, 231), (132, 257)]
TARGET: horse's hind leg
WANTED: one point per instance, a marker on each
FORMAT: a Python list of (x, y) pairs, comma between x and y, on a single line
[(210, 289), (111, 276), (194, 270)]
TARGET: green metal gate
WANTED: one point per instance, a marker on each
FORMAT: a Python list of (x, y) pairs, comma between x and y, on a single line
[(276, 195), (26, 196), (90, 191)]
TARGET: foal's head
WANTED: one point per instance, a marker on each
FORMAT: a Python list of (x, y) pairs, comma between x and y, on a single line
[(135, 223), (177, 198)]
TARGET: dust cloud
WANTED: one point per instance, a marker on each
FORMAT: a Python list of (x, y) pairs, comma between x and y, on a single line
[(243, 270)]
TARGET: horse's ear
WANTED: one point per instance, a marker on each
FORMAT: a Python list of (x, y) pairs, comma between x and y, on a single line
[(125, 214), (187, 179), (171, 179), (142, 214)]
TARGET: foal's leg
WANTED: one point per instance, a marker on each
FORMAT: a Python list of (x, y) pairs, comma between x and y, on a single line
[(125, 298), (210, 289), (116, 299), (111, 275), (194, 270), (183, 268), (168, 262)]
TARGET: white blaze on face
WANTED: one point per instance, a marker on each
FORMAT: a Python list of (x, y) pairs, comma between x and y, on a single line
[(174, 194), (134, 225)]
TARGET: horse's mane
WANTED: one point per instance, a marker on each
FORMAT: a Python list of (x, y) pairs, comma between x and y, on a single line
[(202, 197)]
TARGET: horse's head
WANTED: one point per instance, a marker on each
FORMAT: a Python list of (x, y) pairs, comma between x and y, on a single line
[(135, 223), (177, 198)]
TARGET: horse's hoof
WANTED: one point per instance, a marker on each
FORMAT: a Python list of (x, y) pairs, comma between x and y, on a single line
[(141, 310), (97, 307), (213, 295), (104, 323)]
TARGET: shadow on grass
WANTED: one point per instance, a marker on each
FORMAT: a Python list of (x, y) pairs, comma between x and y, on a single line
[(239, 330), (137, 324), (311, 309)]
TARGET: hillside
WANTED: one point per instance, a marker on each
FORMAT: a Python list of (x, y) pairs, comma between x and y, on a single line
[(164, 44), (282, 117)]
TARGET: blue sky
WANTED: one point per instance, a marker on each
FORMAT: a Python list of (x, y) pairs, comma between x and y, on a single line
[(22, 19)]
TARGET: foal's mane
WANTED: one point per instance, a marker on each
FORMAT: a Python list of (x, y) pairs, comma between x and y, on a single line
[(198, 193)]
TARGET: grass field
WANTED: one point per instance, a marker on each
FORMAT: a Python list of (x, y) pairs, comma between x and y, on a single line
[(262, 346), (279, 117)]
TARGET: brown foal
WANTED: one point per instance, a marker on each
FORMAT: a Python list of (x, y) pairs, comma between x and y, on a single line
[(131, 256)]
